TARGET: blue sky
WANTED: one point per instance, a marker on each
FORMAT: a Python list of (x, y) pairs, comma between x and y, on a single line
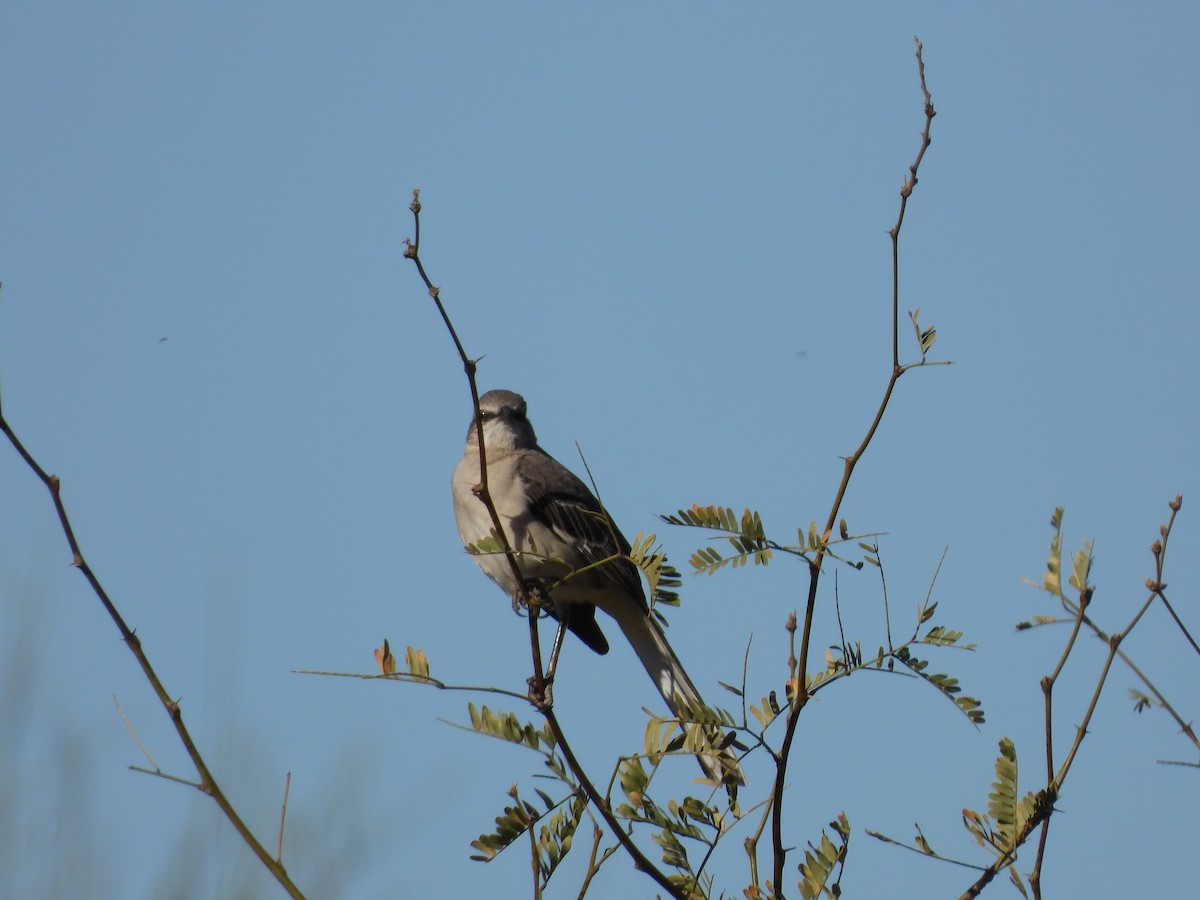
[(666, 226)]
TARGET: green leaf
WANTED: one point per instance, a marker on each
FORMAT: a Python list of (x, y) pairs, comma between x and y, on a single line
[(1081, 566), (940, 636), (507, 727), (634, 779), (510, 825), (820, 861), (674, 854), (488, 545), (947, 685), (662, 577), (417, 662), (766, 710), (1056, 518), (1002, 801), (556, 836), (746, 536), (715, 517)]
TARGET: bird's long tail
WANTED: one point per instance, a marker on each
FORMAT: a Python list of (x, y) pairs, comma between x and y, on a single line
[(677, 689)]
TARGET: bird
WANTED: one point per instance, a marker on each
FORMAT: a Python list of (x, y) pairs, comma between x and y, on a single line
[(564, 538)]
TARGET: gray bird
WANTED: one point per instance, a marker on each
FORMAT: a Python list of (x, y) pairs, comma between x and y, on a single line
[(564, 538)]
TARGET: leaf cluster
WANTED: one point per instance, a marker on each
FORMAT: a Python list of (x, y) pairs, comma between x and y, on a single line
[(820, 861), (745, 536)]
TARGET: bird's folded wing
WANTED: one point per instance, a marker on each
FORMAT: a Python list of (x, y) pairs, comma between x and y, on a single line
[(562, 502)]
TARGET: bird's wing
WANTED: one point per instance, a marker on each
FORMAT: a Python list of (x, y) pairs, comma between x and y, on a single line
[(562, 502)]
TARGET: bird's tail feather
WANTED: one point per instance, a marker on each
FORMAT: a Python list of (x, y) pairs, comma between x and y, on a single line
[(677, 689)]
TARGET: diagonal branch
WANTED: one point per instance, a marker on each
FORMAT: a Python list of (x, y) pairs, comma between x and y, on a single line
[(207, 783)]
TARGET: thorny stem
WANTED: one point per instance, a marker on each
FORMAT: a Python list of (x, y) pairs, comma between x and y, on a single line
[(814, 577), (207, 783), (537, 683)]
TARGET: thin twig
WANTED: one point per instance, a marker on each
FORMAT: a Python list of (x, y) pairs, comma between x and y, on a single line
[(287, 789), (159, 773), (1159, 549), (418, 679), (593, 867), (133, 734), (1191, 640), (533, 842), (887, 612)]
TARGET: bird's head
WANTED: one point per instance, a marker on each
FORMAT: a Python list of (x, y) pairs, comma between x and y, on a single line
[(505, 426)]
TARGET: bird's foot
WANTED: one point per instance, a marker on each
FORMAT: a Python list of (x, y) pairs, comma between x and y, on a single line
[(536, 593), (541, 693)]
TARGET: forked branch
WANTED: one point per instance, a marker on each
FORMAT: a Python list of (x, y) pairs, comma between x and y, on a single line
[(801, 695)]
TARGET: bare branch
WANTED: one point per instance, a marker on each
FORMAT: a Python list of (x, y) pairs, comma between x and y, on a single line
[(207, 784)]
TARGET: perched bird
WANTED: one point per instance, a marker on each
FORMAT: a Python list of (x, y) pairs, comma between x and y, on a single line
[(565, 539)]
